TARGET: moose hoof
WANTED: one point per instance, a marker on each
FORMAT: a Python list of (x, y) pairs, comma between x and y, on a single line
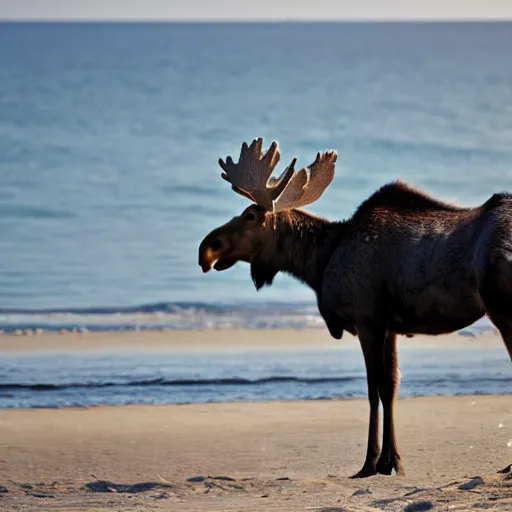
[(386, 465), (366, 471)]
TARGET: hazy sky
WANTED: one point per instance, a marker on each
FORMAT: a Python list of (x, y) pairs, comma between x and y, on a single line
[(255, 9)]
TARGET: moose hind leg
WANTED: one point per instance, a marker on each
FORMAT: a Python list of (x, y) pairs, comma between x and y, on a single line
[(389, 382), (496, 294), (505, 328)]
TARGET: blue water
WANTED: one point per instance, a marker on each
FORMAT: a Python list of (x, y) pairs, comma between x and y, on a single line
[(109, 140), (110, 135), (162, 377)]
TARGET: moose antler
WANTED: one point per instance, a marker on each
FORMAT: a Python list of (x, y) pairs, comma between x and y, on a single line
[(251, 177)]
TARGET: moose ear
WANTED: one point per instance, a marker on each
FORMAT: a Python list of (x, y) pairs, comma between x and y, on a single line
[(262, 274)]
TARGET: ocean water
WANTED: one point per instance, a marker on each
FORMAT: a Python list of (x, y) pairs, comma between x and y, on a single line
[(110, 135), (109, 141), (160, 377)]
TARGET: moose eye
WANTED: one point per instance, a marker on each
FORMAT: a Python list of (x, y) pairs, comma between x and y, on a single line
[(216, 245), (250, 216)]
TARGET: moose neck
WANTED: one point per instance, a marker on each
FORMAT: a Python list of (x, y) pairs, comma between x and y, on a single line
[(297, 243)]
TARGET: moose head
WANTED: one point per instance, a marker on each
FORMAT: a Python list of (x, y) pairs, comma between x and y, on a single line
[(251, 234)]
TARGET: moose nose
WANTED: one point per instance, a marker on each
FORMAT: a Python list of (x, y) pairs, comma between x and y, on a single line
[(208, 253), (216, 245)]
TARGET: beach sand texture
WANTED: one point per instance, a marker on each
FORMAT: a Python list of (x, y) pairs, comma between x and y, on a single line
[(276, 456)]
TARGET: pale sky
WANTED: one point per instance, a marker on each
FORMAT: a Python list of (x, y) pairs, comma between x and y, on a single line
[(254, 9)]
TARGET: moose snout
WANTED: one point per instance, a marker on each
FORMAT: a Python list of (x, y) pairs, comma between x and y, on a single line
[(209, 252)]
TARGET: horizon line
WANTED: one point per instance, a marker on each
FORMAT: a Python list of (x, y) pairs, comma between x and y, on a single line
[(256, 20)]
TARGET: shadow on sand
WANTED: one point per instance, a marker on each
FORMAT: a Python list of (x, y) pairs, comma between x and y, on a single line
[(107, 486)]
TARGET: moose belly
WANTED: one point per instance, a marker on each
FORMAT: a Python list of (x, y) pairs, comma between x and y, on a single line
[(434, 317)]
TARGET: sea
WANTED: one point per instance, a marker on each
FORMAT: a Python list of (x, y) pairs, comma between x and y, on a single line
[(110, 135)]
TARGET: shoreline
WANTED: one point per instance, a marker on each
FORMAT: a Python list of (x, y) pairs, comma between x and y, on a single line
[(185, 367), (217, 340), (248, 403)]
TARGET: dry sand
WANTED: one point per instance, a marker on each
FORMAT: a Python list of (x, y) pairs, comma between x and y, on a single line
[(278, 456)]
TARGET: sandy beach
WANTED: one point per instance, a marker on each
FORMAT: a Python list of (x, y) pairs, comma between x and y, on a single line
[(215, 340), (279, 456)]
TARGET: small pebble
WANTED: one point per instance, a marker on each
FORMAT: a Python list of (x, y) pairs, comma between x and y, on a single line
[(198, 478), (37, 494), (419, 506), (360, 492), (474, 482)]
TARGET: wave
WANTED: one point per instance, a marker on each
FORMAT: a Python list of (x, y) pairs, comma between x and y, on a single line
[(159, 307), (234, 381), (174, 316), (164, 315)]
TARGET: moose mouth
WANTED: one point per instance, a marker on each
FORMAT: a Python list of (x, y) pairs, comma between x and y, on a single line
[(219, 265), (224, 264)]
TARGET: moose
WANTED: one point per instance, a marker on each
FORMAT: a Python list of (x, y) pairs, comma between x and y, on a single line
[(405, 263)]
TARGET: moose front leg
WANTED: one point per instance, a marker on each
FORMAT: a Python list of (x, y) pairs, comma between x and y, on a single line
[(389, 382), (371, 344)]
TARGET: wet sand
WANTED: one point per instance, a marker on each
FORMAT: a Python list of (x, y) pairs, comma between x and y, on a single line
[(215, 340)]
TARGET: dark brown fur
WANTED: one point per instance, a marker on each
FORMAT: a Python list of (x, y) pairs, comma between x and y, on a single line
[(404, 263)]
